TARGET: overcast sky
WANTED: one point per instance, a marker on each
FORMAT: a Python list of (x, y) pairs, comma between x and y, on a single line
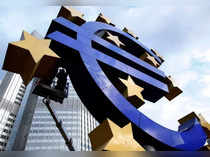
[(181, 34)]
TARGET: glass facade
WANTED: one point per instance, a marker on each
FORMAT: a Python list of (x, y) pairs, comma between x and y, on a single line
[(12, 91), (76, 119)]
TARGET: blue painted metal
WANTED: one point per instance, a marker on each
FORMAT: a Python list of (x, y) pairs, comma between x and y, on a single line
[(187, 125), (192, 139)]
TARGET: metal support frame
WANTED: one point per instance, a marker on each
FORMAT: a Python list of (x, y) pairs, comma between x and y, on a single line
[(61, 129)]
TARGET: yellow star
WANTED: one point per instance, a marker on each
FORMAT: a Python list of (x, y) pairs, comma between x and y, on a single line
[(150, 59), (114, 39), (75, 12), (109, 136), (130, 33), (174, 91), (157, 54), (102, 18), (30, 57), (133, 92), (205, 125), (72, 15)]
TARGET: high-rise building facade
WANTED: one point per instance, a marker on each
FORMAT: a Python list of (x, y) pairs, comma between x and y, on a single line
[(76, 119), (12, 91)]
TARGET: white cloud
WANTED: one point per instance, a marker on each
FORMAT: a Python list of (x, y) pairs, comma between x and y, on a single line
[(180, 67), (167, 113), (90, 12), (203, 56), (205, 80), (206, 91)]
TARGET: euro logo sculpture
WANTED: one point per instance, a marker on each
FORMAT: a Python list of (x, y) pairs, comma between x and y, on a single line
[(113, 74)]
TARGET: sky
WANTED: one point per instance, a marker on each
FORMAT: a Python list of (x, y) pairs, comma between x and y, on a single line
[(180, 33)]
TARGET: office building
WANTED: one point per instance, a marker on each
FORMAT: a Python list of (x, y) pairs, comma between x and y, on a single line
[(76, 119), (12, 91)]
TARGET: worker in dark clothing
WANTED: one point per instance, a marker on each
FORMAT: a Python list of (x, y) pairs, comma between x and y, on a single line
[(62, 79)]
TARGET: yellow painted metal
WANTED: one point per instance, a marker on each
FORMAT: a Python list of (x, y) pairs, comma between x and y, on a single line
[(159, 56), (30, 57), (174, 91), (205, 148), (205, 125), (110, 137), (130, 32), (114, 39), (149, 59), (102, 18), (71, 14), (133, 92)]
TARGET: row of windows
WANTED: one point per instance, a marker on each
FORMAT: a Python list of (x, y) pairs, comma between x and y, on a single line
[(63, 117), (47, 141), (4, 137), (20, 94), (22, 90), (47, 148), (12, 114), (43, 131), (2, 124), (9, 125), (3, 144), (7, 131), (52, 122), (52, 137), (41, 125), (53, 125), (11, 120), (50, 119), (57, 134), (23, 86), (59, 109), (58, 113), (18, 98), (67, 103), (17, 102), (69, 129)]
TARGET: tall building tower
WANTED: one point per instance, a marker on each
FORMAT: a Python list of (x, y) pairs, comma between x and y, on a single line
[(12, 91), (76, 119)]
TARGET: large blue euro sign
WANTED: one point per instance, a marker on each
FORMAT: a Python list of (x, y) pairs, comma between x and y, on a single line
[(89, 69)]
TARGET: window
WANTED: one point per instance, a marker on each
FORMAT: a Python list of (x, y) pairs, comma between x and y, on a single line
[(7, 131), (17, 102), (20, 99), (11, 120), (9, 125), (3, 144), (4, 137), (13, 115)]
